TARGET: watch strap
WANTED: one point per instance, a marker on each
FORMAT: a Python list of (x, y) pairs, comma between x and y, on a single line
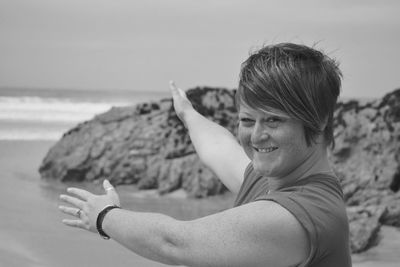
[(100, 218)]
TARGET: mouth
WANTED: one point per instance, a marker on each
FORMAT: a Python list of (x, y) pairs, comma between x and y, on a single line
[(266, 149)]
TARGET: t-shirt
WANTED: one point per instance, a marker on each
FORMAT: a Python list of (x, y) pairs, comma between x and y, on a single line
[(317, 203)]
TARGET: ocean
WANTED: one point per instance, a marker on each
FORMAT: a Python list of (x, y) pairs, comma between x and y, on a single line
[(45, 114)]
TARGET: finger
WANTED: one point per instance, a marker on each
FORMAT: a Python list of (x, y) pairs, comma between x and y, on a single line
[(174, 89), (69, 210), (74, 223), (83, 194), (108, 186), (73, 201), (111, 192), (172, 84)]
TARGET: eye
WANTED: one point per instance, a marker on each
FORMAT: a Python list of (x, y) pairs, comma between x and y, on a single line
[(273, 119), (246, 121), (273, 122)]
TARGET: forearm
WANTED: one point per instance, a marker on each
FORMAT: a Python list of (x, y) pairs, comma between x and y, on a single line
[(205, 134), (151, 235), (217, 148)]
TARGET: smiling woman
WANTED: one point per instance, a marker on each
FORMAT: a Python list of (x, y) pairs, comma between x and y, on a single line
[(289, 209), (286, 98)]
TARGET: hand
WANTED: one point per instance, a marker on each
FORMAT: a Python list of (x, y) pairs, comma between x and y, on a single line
[(181, 102), (87, 206)]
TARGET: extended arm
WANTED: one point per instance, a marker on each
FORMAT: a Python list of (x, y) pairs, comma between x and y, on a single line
[(257, 234), (216, 146), (261, 233)]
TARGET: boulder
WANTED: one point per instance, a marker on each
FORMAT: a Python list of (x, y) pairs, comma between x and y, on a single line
[(145, 144), (366, 158), (367, 152), (364, 222)]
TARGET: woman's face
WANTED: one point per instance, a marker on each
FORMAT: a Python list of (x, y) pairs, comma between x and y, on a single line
[(273, 141)]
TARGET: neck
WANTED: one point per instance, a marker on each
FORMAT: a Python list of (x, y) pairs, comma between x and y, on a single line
[(316, 162)]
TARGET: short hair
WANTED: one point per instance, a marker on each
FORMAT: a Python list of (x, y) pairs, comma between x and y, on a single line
[(296, 79)]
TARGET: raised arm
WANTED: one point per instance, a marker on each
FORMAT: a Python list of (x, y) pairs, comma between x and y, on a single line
[(216, 146)]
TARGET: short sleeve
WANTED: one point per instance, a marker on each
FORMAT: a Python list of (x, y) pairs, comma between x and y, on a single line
[(321, 212), (295, 207)]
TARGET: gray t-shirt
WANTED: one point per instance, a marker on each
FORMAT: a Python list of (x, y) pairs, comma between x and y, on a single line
[(317, 203)]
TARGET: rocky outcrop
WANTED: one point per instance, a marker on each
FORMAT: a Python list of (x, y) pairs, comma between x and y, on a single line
[(365, 223), (367, 159), (367, 152), (147, 145)]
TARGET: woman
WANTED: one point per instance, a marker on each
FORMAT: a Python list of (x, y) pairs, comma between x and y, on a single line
[(289, 209)]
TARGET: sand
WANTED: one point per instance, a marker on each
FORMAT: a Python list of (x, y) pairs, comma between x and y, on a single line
[(386, 254)]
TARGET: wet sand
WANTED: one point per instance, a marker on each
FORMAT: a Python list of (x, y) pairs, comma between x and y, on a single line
[(386, 254)]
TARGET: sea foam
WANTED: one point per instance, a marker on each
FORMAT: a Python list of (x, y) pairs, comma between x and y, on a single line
[(45, 114), (38, 118), (49, 109)]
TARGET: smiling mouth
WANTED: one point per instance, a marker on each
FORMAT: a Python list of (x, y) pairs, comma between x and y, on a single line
[(266, 150)]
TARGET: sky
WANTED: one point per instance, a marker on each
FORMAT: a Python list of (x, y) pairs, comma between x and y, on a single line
[(142, 44)]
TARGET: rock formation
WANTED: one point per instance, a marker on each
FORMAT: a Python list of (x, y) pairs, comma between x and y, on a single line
[(367, 160), (147, 145)]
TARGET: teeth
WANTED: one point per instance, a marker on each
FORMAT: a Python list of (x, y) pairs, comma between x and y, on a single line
[(266, 150)]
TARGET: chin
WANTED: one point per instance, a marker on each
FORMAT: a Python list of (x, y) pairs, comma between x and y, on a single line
[(261, 171)]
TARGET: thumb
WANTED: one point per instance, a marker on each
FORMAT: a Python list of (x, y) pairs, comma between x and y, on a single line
[(110, 190), (176, 91)]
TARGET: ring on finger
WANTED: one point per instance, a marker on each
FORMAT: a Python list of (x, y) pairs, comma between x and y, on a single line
[(78, 213)]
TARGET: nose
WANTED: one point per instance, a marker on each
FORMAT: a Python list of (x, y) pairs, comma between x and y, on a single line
[(259, 133)]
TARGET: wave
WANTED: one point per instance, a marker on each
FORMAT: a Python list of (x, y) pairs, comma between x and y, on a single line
[(16, 134), (50, 109), (45, 114), (45, 118)]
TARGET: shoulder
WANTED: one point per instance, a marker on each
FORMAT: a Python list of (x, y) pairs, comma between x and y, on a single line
[(318, 200), (319, 208)]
